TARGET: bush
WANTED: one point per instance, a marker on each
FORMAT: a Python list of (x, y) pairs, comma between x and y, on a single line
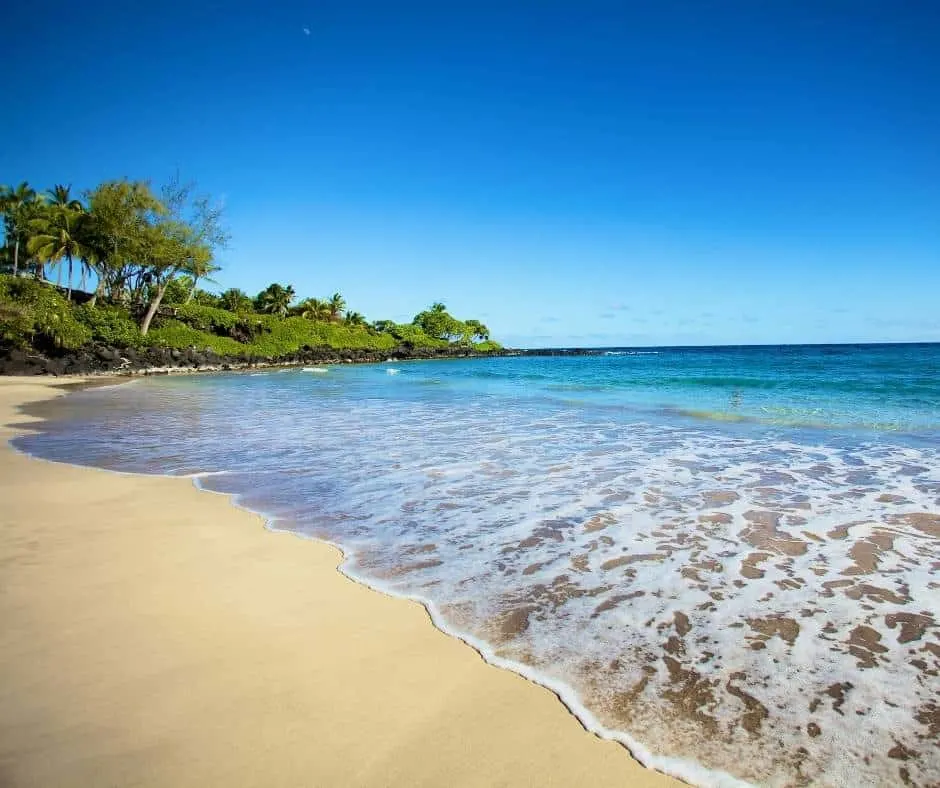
[(109, 325), (34, 313), (207, 318), (173, 334), (414, 336)]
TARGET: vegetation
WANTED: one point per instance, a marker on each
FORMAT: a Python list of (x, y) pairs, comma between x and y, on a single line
[(144, 256)]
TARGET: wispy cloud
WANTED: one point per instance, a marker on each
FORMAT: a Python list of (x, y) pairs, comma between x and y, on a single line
[(550, 319), (619, 307), (306, 31), (607, 316)]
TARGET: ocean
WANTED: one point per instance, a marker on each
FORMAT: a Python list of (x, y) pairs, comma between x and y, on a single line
[(727, 558)]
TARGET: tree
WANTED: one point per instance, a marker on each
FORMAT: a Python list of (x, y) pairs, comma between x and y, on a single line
[(337, 304), (275, 299), (313, 309), (436, 322), (355, 319), (201, 272), (120, 214), (57, 234), (476, 330), (235, 300), (16, 203), (384, 326), (184, 241)]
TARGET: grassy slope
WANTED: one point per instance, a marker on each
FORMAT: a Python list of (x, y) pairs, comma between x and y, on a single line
[(32, 314)]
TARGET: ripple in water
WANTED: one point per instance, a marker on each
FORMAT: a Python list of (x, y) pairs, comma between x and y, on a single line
[(757, 601)]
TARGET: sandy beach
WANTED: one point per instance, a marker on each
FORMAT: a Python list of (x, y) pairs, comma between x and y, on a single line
[(155, 635)]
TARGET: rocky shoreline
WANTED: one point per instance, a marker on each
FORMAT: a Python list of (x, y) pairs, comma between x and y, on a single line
[(104, 360)]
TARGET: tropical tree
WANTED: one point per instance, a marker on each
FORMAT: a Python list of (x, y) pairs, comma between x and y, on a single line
[(337, 304), (313, 309), (117, 228), (235, 300), (354, 319), (201, 271), (17, 203), (57, 234), (275, 299), (476, 330), (181, 242), (383, 326), (438, 323)]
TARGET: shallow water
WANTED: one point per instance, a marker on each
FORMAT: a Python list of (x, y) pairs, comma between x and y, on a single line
[(732, 556)]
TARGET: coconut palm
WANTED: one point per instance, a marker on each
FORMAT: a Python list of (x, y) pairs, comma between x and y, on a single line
[(62, 222), (15, 204), (275, 299), (337, 304), (355, 319), (314, 309), (200, 270), (234, 300), (57, 236)]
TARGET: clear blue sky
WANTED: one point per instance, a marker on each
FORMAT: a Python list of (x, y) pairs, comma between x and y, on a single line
[(577, 173)]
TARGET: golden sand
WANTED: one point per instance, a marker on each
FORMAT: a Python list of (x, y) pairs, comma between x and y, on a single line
[(154, 635)]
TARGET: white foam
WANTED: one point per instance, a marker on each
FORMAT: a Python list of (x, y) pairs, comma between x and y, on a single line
[(509, 502)]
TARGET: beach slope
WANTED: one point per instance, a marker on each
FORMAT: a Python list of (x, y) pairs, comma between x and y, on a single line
[(155, 635)]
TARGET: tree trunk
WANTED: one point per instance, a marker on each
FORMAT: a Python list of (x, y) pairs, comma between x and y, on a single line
[(16, 257), (99, 291), (58, 276), (152, 309), (68, 292), (192, 291)]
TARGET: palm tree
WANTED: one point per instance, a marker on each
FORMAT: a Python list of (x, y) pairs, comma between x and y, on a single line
[(57, 236), (64, 211), (337, 304), (15, 203), (201, 270), (314, 309), (355, 319), (234, 300), (275, 299)]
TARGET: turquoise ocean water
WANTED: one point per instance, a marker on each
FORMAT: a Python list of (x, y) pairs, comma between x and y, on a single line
[(728, 558)]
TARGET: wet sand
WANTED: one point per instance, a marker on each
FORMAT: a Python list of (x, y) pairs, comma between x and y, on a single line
[(155, 635)]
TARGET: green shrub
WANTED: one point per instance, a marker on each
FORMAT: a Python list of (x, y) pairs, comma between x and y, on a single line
[(207, 318), (487, 347), (173, 334), (35, 313), (109, 325), (414, 336)]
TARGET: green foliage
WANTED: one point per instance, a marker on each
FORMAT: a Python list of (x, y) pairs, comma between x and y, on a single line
[(275, 299), (109, 325), (235, 300), (487, 346), (178, 290), (415, 337), (35, 314), (436, 322), (173, 334), (207, 318), (205, 298)]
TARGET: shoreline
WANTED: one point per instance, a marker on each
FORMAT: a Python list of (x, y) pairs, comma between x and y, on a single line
[(409, 704)]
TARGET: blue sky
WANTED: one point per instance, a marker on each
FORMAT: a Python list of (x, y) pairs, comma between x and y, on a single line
[(571, 173)]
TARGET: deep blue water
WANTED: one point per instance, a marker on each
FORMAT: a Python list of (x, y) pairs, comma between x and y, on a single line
[(701, 549)]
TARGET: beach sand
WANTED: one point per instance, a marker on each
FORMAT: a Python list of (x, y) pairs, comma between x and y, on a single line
[(155, 635)]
